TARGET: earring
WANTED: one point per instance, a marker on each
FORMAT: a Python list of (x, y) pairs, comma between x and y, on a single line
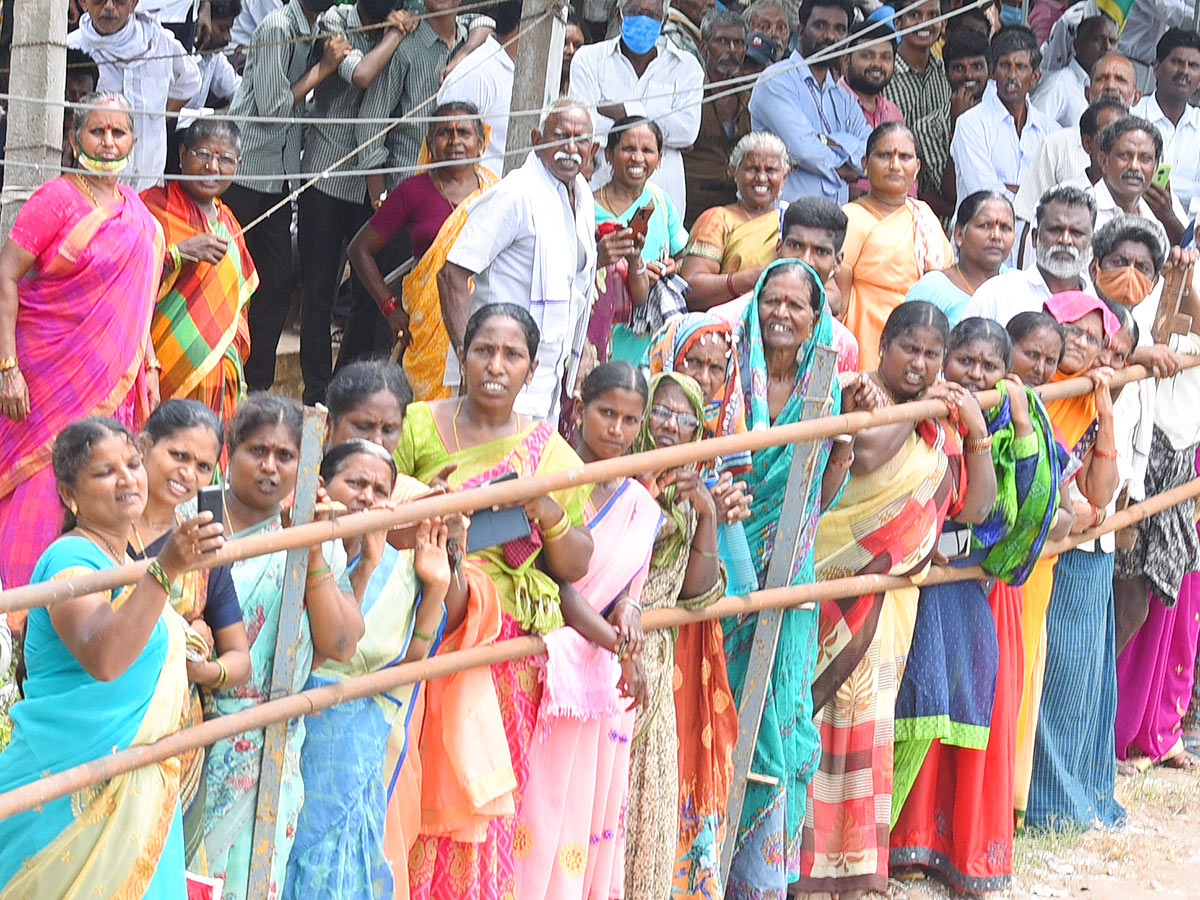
[(74, 509)]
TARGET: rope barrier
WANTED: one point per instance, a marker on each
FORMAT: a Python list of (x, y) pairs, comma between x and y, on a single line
[(520, 490), (313, 700)]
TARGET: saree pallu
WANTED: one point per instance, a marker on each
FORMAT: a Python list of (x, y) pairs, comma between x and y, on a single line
[(887, 255), (119, 838), (425, 357), (231, 794), (338, 850), (956, 820), (1074, 756), (886, 522), (199, 326), (732, 242), (574, 805), (481, 862), (98, 277)]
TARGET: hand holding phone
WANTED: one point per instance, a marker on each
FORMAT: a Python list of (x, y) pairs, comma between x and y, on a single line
[(640, 220), (210, 499), (1161, 176)]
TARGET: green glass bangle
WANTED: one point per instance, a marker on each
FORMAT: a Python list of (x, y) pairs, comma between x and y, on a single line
[(159, 574)]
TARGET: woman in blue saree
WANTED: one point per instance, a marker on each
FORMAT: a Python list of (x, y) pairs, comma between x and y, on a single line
[(353, 751), (106, 671)]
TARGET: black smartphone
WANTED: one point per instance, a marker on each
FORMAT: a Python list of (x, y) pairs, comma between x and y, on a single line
[(209, 498), (492, 527)]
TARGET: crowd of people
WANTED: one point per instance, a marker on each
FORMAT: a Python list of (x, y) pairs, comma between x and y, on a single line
[(941, 199)]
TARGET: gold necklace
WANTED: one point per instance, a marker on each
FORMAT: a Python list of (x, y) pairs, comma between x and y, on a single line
[(86, 189), (91, 536), (967, 281), (454, 423)]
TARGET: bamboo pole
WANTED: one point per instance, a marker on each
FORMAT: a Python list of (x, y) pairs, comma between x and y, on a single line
[(519, 490), (310, 701)]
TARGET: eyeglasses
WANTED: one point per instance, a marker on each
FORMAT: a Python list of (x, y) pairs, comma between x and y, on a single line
[(226, 162), (661, 415), (1074, 332)]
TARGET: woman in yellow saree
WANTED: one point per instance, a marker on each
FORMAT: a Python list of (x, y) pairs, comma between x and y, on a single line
[(731, 245), (891, 239), (905, 481), (199, 326), (467, 442), (431, 208), (106, 671)]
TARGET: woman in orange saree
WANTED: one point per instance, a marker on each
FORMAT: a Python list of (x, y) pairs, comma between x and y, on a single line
[(78, 274), (199, 327)]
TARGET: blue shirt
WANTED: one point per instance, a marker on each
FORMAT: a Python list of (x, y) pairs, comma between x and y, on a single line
[(788, 101)]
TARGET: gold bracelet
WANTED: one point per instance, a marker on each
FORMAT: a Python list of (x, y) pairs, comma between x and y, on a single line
[(223, 678), (8, 364), (558, 530), (978, 446)]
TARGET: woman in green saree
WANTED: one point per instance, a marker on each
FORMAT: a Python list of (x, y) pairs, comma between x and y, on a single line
[(264, 456)]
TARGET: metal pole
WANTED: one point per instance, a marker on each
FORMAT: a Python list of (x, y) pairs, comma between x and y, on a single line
[(37, 68), (766, 630), (283, 672)]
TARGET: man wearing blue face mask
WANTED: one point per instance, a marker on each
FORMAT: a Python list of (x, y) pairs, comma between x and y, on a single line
[(641, 73), (798, 99)]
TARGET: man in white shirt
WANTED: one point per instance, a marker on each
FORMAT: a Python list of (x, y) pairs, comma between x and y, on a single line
[(641, 73), (1062, 154), (995, 142), (218, 80), (1062, 94), (142, 60), (1130, 151), (484, 77), (531, 240), (1178, 74), (1147, 21), (1062, 239)]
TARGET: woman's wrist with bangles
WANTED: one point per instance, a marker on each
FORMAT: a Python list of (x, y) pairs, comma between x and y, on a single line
[(1104, 454), (156, 571), (558, 530), (388, 304), (222, 678), (977, 446)]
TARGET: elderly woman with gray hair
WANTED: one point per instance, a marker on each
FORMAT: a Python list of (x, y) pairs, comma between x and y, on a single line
[(730, 245), (199, 328), (78, 278)]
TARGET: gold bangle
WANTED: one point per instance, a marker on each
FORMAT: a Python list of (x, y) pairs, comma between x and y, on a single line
[(223, 678), (978, 446), (558, 530), (159, 574), (8, 364)]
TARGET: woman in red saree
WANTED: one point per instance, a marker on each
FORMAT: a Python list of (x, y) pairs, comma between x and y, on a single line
[(78, 277)]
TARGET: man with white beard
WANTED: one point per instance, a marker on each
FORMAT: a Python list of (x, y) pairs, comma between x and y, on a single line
[(531, 240), (1062, 238)]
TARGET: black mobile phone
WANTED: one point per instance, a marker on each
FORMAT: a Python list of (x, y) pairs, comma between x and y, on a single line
[(492, 527), (209, 498)]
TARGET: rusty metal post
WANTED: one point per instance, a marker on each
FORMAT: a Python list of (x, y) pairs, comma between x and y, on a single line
[(766, 629), (283, 672)]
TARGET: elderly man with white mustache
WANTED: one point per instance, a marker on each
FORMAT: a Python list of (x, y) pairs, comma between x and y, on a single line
[(531, 240), (1062, 238)]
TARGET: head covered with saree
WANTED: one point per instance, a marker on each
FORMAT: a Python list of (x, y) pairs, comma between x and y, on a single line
[(726, 413), (645, 441), (771, 464), (1071, 306)]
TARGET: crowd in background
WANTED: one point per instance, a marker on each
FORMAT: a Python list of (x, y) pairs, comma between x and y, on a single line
[(729, 218)]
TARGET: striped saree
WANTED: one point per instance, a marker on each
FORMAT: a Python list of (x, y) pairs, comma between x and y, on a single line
[(96, 272), (199, 326)]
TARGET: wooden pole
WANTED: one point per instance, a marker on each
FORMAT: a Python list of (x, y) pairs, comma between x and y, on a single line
[(59, 785), (517, 491), (537, 74), (37, 68)]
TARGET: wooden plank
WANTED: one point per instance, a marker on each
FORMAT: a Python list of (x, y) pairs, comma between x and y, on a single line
[(766, 629), (284, 667)]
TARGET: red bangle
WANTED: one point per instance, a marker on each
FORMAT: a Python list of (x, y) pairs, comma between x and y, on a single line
[(388, 306), (729, 284), (1104, 454)]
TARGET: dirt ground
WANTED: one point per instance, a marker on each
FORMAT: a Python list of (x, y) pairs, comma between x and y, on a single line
[(1156, 854)]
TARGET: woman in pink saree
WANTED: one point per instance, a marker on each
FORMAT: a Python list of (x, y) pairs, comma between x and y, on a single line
[(78, 279), (573, 815)]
